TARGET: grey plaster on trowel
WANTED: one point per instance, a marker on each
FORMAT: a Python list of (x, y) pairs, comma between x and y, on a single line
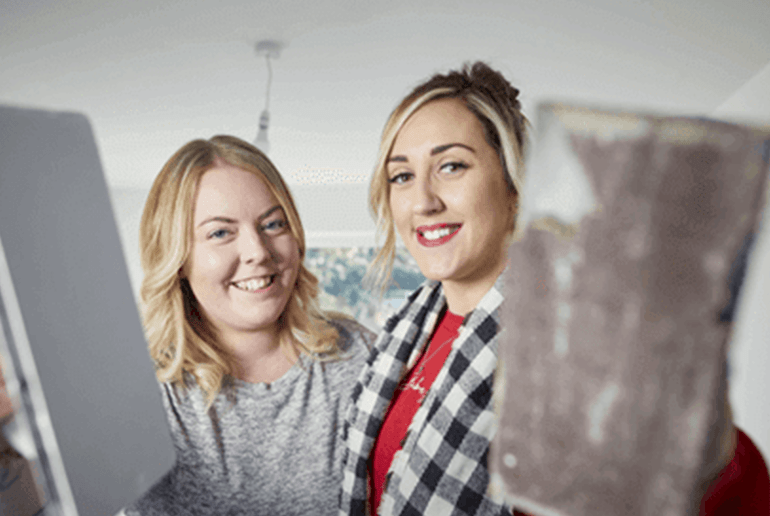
[(613, 352)]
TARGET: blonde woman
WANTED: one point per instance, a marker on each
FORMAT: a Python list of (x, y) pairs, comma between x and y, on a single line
[(447, 179), (254, 376)]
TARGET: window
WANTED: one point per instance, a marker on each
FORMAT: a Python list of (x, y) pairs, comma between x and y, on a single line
[(340, 272)]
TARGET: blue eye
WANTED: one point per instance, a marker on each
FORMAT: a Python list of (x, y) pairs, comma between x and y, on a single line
[(401, 178), (453, 166), (219, 233), (274, 226)]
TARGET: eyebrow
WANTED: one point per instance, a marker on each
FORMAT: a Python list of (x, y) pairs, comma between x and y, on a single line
[(435, 150), (228, 220), (269, 212)]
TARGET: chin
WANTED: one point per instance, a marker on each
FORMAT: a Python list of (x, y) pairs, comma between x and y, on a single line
[(436, 275)]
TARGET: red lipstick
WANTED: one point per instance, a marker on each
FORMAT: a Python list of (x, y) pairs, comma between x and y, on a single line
[(434, 242)]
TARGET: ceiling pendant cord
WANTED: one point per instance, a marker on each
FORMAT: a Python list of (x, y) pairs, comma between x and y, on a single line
[(269, 81), (269, 49)]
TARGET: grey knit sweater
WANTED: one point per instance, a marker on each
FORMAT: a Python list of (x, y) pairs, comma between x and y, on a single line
[(275, 451)]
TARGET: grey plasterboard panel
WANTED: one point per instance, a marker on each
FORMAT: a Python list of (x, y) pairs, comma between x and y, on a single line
[(62, 248)]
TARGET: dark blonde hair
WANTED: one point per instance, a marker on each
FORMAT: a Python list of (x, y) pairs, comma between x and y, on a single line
[(492, 99), (180, 340)]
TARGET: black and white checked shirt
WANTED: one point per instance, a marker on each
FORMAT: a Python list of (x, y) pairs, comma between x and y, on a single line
[(442, 465)]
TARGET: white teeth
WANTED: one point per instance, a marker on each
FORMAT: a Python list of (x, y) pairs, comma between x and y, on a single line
[(253, 285), (438, 233)]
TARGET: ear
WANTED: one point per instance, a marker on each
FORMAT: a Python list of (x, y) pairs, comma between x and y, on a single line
[(513, 208), (513, 197)]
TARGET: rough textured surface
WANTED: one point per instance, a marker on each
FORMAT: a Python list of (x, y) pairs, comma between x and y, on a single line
[(614, 351)]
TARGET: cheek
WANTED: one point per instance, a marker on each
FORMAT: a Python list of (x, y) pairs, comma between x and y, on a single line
[(505, 218), (399, 210), (495, 198), (212, 261), (489, 207), (210, 265), (197, 265), (290, 280), (287, 252)]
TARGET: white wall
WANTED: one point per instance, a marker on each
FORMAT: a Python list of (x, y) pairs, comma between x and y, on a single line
[(750, 353)]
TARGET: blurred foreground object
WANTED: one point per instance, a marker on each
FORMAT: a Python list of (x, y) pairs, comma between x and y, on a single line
[(87, 405), (6, 405), (19, 494), (615, 343)]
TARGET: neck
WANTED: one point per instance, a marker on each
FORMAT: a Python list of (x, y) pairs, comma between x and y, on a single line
[(258, 357), (463, 296), (462, 299)]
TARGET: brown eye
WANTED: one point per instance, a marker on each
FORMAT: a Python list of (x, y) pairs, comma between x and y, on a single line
[(453, 166), (401, 178)]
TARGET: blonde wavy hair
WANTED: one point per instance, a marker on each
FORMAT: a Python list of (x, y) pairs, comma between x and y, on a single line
[(489, 96), (180, 340)]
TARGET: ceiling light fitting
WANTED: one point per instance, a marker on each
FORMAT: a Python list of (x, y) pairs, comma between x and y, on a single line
[(270, 49)]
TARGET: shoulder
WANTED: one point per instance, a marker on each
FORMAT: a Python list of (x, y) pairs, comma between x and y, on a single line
[(184, 400), (428, 291), (744, 479), (160, 500), (425, 297), (415, 313), (748, 456), (354, 337), (354, 345)]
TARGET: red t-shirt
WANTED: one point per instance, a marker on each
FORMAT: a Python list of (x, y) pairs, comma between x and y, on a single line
[(742, 487), (407, 400)]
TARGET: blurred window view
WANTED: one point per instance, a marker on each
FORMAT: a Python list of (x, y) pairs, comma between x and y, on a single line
[(341, 271)]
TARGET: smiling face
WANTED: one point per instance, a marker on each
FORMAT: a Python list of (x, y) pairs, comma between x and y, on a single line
[(244, 259), (450, 201)]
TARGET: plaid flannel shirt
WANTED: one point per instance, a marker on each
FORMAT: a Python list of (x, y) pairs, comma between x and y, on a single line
[(442, 465)]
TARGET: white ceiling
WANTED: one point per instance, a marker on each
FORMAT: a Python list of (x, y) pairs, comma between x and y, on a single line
[(151, 77)]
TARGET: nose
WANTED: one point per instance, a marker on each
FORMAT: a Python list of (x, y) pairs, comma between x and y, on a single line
[(253, 247), (427, 198)]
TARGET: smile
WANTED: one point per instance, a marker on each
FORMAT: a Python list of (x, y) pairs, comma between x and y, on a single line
[(438, 234), (255, 284)]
